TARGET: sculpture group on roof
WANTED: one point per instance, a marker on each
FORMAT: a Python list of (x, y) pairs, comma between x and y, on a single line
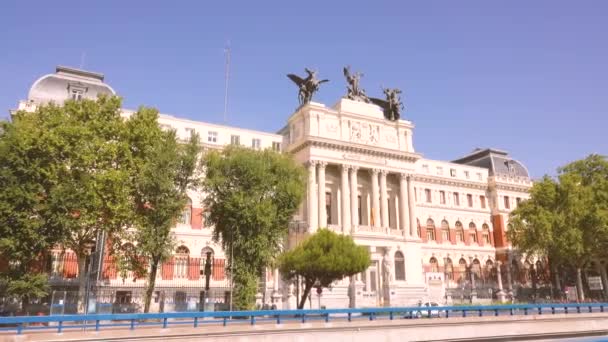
[(308, 86)]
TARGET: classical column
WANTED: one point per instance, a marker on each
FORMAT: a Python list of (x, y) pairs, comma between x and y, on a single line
[(345, 200), (375, 197), (312, 197), (383, 198), (404, 218), (354, 198), (322, 204), (411, 206)]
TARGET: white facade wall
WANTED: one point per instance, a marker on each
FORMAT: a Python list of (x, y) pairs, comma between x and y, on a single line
[(346, 147)]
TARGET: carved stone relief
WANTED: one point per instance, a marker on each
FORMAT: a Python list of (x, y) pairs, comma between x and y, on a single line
[(364, 133)]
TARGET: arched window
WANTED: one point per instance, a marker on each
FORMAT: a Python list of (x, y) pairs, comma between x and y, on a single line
[(182, 255), (434, 265), (206, 250), (459, 232), (399, 266), (476, 268), (186, 217), (473, 232), (462, 270), (527, 272), (430, 230), (540, 271), (485, 229), (489, 273), (445, 231), (515, 273), (449, 269)]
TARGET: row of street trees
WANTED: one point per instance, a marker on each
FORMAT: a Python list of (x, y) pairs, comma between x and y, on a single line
[(566, 219), (70, 173)]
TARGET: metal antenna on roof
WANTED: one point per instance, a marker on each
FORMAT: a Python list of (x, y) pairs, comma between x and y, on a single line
[(227, 76), (83, 55)]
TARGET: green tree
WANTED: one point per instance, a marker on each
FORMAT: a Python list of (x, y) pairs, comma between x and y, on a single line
[(566, 219), (24, 236), (163, 169), (70, 161), (322, 259), (251, 197)]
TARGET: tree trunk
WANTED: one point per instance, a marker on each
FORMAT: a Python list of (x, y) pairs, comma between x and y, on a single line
[(307, 289), (579, 285), (150, 284), (82, 281), (558, 283)]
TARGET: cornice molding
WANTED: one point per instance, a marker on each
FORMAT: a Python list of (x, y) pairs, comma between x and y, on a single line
[(357, 148), (513, 187), (449, 182)]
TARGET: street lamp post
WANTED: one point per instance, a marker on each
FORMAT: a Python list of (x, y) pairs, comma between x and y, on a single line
[(88, 249)]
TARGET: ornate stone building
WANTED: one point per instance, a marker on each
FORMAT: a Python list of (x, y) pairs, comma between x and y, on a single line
[(435, 229)]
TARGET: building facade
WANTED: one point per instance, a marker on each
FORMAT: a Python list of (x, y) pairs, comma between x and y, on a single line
[(435, 230)]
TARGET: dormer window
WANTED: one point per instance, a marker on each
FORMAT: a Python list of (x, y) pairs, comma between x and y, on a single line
[(76, 92)]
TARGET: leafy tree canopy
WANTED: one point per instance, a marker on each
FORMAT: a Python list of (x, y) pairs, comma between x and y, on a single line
[(566, 218), (251, 197), (322, 259)]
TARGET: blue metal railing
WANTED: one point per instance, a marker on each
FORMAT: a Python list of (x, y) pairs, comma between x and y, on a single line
[(99, 321)]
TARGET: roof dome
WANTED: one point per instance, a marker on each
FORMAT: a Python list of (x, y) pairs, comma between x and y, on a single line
[(68, 83)]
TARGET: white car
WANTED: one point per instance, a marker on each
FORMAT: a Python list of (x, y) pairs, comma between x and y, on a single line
[(425, 308)]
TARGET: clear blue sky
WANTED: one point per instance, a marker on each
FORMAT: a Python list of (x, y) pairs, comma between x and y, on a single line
[(530, 77)]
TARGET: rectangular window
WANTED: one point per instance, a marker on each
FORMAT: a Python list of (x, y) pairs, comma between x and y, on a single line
[(359, 209), (189, 132), (470, 200), (372, 275), (482, 200), (276, 146), (479, 176), (456, 199), (390, 218), (328, 207), (466, 175), (77, 94), (439, 170), (364, 280), (425, 168), (427, 195), (212, 137), (235, 139), (442, 197), (445, 235), (507, 203), (517, 200), (453, 172), (165, 127), (255, 143), (430, 234), (474, 237), (486, 238), (459, 236)]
